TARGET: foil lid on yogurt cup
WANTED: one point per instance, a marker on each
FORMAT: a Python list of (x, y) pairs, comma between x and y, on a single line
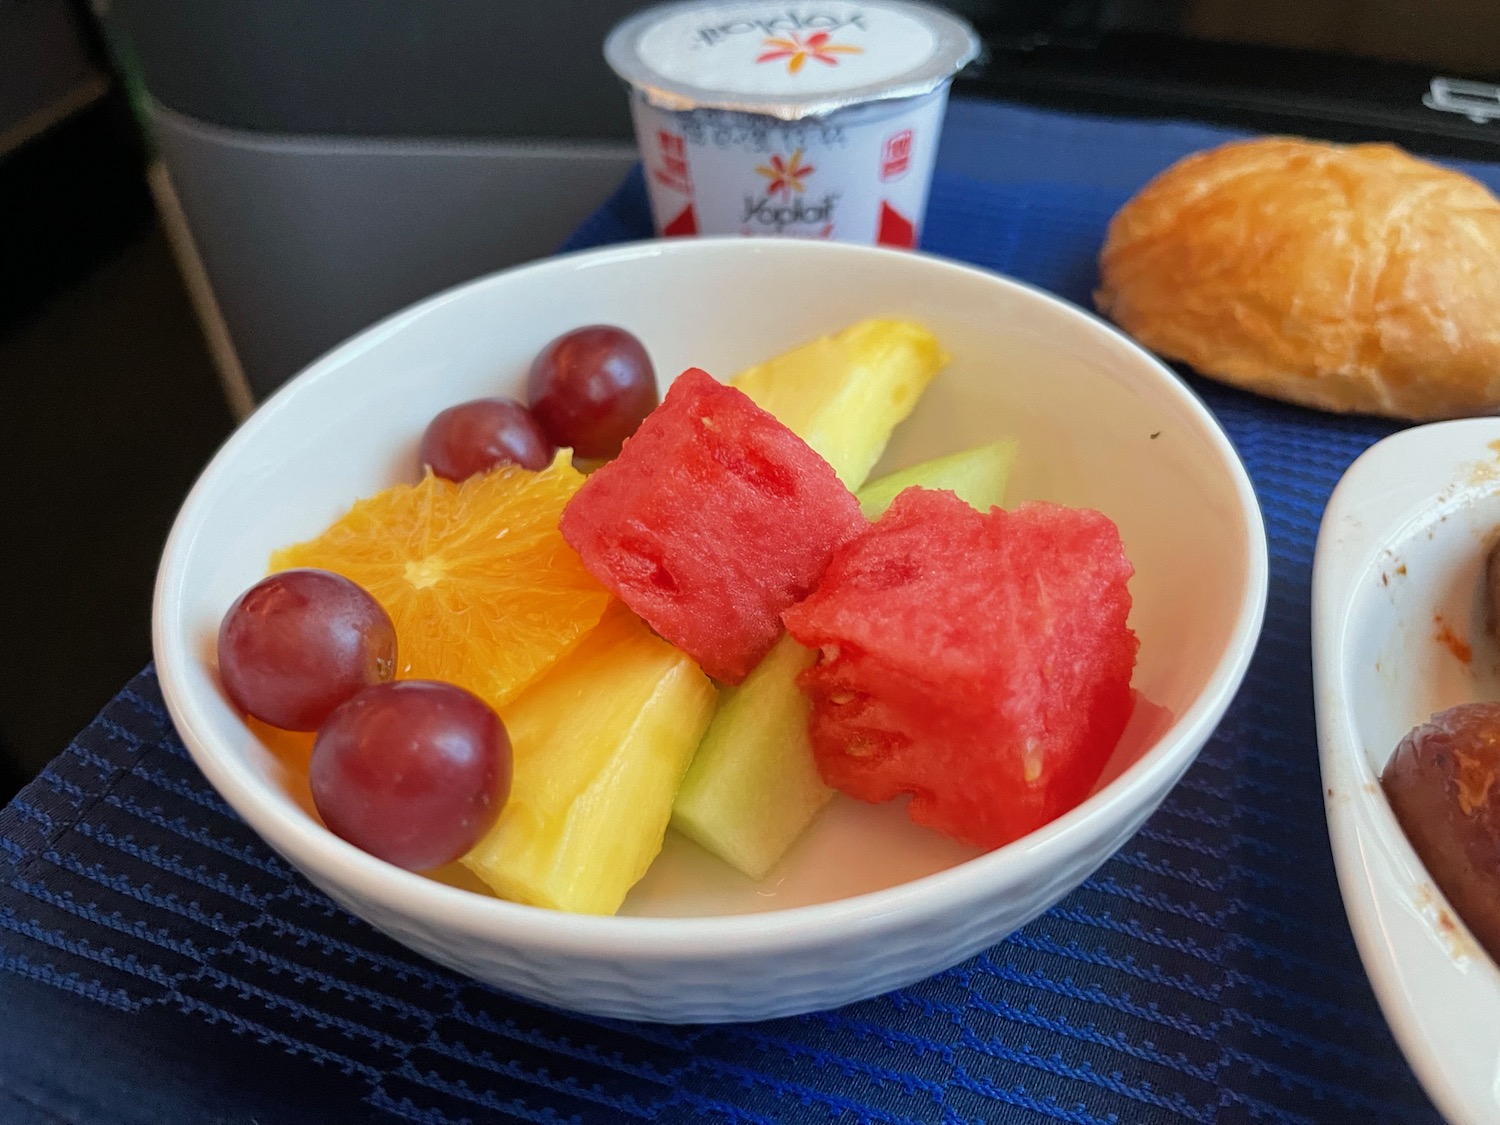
[(788, 60)]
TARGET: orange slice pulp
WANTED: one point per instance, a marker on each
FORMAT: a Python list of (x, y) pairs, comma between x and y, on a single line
[(483, 591)]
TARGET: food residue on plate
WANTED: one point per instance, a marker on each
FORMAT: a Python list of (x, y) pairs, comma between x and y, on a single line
[(1461, 946), (1445, 636)]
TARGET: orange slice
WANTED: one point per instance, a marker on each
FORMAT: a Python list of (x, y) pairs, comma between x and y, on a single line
[(483, 591)]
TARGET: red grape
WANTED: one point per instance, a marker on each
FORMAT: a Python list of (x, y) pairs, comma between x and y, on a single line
[(299, 643), (477, 436), (590, 389), (413, 772)]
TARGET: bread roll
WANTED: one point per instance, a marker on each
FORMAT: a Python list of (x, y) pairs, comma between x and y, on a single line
[(1351, 278)]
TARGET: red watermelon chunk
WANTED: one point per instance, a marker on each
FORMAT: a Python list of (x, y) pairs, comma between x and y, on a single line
[(979, 661), (712, 520)]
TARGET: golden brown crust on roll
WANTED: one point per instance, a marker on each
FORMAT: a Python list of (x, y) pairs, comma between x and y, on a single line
[(1352, 278)]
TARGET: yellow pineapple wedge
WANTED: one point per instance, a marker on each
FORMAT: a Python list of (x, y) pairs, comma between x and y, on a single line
[(844, 394), (600, 746)]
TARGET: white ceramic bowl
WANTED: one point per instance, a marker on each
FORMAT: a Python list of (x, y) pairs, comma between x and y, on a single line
[(1396, 596), (865, 902)]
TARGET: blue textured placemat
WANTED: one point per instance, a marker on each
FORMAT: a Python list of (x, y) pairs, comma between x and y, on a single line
[(161, 965)]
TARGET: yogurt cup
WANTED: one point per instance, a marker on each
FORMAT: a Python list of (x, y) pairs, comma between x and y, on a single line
[(816, 120)]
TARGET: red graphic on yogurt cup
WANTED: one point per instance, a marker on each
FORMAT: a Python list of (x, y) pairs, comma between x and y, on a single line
[(672, 169), (895, 155), (895, 228), (797, 50), (685, 223)]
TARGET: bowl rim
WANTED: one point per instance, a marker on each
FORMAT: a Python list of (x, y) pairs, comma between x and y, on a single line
[(662, 937)]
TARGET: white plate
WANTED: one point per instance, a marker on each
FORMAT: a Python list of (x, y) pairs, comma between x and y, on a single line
[(1396, 600)]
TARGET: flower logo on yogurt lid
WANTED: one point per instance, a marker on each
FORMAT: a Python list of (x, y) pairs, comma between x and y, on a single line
[(785, 176), (797, 50)]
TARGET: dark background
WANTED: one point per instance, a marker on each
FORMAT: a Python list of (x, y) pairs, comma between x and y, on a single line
[(109, 404), (109, 400)]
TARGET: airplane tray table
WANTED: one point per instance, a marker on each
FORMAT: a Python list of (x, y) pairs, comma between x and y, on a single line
[(162, 965)]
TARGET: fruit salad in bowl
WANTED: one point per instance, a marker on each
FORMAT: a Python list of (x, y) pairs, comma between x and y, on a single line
[(712, 659)]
